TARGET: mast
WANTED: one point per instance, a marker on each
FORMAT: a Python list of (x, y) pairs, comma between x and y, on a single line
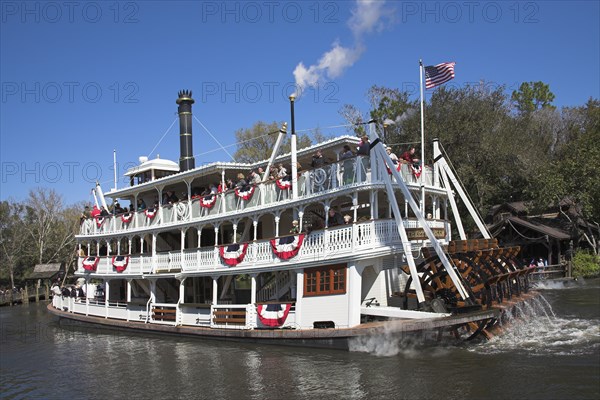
[(294, 155)]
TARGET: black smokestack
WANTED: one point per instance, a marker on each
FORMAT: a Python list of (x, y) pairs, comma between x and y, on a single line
[(186, 159)]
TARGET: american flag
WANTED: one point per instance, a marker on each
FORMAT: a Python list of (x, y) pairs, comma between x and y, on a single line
[(436, 75)]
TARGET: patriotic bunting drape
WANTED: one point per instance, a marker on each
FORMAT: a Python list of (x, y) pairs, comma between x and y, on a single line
[(288, 246), (273, 315), (120, 263), (416, 171), (246, 193), (150, 213), (99, 221), (90, 263), (233, 254), (283, 184), (208, 201), (126, 218)]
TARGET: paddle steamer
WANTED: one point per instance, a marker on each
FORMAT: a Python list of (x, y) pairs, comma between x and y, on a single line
[(349, 248)]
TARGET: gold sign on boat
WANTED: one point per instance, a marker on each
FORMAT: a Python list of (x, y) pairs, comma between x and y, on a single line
[(419, 233)]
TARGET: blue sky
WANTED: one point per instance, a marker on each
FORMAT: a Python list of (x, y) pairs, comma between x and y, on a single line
[(80, 79)]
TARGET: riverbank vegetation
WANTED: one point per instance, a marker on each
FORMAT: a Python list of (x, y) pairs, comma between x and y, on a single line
[(38, 230), (586, 265)]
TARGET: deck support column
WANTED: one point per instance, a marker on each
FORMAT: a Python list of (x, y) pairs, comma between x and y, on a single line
[(354, 293), (152, 291), (215, 289), (300, 219), (253, 288), (299, 295), (106, 295), (180, 301), (216, 250), (355, 206), (153, 251), (128, 290)]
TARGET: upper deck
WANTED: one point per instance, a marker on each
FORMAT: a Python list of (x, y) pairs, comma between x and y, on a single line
[(317, 184)]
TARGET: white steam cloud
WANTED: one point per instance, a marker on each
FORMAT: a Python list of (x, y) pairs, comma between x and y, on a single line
[(366, 17)]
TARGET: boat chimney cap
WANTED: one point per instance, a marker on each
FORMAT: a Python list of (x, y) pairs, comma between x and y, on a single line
[(185, 96)]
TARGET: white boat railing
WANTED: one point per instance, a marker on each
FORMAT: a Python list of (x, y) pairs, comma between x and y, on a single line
[(339, 175), (331, 243)]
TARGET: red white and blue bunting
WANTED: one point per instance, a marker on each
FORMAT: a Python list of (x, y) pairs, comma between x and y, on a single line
[(273, 315), (416, 171), (245, 194), (119, 263), (90, 263), (150, 213), (99, 221), (288, 246), (208, 201), (283, 184), (126, 218), (398, 168), (233, 254)]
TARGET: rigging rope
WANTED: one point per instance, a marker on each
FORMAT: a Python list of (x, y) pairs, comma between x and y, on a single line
[(214, 138), (162, 137)]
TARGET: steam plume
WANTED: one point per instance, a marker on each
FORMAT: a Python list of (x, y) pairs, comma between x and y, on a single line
[(366, 17)]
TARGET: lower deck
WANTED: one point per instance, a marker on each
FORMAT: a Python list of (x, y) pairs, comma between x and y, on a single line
[(324, 337)]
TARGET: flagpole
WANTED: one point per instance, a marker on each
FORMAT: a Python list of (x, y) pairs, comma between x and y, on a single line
[(422, 139)]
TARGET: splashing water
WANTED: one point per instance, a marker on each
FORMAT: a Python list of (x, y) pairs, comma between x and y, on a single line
[(535, 329)]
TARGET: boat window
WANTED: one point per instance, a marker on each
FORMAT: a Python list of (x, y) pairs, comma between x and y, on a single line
[(326, 280)]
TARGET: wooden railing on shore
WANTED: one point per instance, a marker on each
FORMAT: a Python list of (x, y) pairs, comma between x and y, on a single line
[(553, 271), (25, 295)]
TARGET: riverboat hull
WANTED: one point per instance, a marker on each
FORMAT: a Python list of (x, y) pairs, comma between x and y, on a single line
[(479, 324)]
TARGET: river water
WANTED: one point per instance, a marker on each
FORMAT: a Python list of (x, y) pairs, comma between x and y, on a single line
[(552, 352)]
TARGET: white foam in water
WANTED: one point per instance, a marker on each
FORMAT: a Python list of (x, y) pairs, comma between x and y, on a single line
[(536, 330), (390, 342)]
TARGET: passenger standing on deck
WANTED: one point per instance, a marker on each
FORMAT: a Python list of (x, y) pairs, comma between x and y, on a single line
[(317, 160), (281, 172), (254, 178), (295, 229), (335, 218), (393, 157), (364, 147), (348, 165), (409, 157)]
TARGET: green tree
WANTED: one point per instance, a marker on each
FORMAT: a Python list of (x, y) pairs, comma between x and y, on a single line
[(257, 143), (50, 226), (571, 175), (532, 96), (12, 239), (391, 107)]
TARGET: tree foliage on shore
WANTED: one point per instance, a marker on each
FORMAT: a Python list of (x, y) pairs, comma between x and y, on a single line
[(257, 142), (38, 230), (504, 149)]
